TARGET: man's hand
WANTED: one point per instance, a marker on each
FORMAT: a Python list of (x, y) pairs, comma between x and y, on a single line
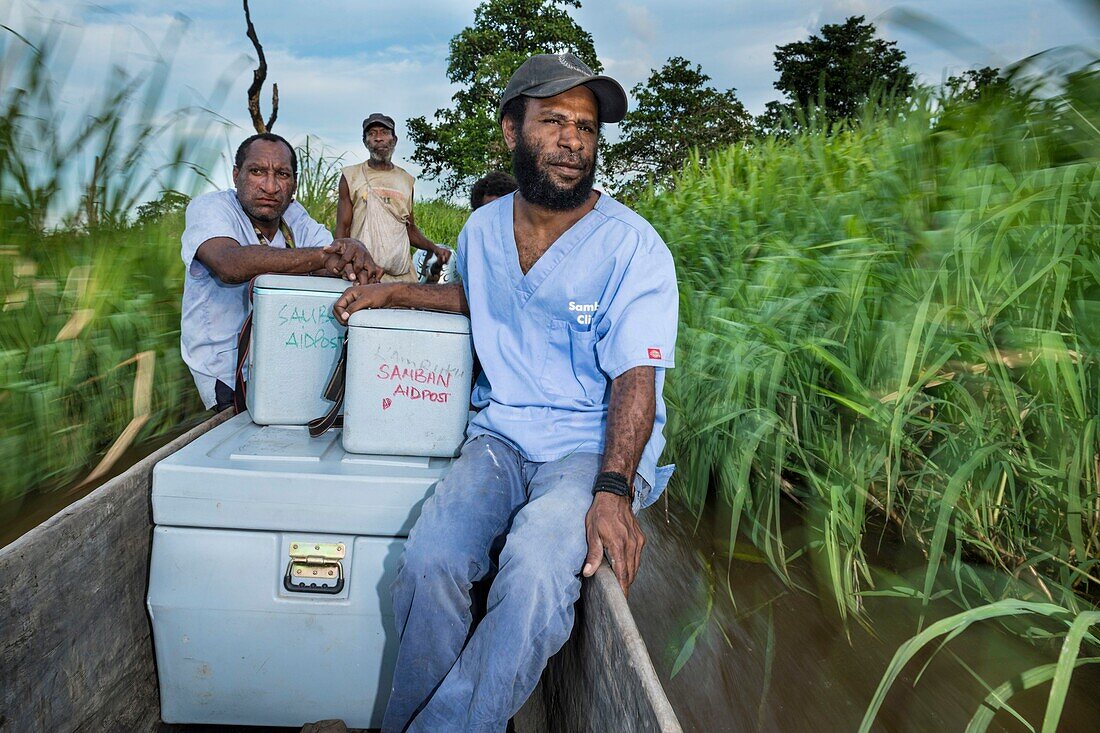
[(348, 258), (358, 297), (612, 528), (443, 254), (339, 260), (442, 257)]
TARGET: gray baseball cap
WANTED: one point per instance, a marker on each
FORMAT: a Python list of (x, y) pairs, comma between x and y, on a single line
[(377, 118), (550, 74)]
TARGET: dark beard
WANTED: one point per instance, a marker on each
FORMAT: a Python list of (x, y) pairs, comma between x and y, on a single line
[(536, 187)]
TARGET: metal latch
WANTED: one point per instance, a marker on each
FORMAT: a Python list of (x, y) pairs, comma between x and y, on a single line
[(315, 567)]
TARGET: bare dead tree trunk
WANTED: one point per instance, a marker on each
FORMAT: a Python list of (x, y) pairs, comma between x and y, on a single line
[(92, 202), (259, 75)]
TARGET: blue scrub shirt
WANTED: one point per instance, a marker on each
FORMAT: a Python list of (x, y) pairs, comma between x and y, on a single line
[(600, 301)]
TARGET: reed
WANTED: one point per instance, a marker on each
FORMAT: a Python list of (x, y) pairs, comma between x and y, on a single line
[(319, 171), (89, 353), (898, 317), (76, 317), (895, 323)]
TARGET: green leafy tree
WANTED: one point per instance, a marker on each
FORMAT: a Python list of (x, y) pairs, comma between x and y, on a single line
[(464, 142), (975, 84), (676, 111), (837, 72), (170, 203)]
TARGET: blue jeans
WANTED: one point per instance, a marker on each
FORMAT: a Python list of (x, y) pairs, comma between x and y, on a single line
[(452, 675)]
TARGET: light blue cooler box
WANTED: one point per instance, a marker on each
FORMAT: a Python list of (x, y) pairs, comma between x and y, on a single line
[(296, 343), (273, 555), (407, 368)]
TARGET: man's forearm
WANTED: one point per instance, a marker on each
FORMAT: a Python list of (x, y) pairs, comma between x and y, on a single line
[(417, 238), (343, 209), (447, 298), (241, 264), (450, 298), (630, 414), (610, 524)]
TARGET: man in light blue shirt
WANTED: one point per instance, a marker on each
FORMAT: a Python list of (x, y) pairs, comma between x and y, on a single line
[(231, 237), (573, 309)]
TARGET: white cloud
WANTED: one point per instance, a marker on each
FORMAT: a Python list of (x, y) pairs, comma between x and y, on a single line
[(639, 21)]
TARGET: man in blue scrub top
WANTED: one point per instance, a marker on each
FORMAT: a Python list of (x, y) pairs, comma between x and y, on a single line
[(573, 309)]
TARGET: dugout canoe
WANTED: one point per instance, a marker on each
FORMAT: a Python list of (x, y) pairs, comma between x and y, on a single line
[(76, 650)]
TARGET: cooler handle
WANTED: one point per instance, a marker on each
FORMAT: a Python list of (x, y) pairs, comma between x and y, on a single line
[(294, 566)]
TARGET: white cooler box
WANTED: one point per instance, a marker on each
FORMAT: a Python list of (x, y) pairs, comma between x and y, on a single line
[(273, 555), (296, 343), (407, 368), (422, 264)]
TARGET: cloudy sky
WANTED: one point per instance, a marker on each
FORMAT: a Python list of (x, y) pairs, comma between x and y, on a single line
[(335, 61)]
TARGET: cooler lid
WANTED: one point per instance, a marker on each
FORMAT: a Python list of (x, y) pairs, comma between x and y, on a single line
[(264, 477), (397, 319), (302, 283)]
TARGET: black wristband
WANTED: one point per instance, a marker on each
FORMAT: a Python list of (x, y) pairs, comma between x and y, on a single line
[(612, 483)]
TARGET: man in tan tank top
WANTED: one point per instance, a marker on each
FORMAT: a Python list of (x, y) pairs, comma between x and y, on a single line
[(376, 205)]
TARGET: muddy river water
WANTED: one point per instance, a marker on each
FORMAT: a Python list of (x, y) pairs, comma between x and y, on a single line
[(771, 657)]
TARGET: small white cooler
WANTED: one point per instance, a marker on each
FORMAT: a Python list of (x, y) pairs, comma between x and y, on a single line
[(407, 368), (296, 343), (272, 558)]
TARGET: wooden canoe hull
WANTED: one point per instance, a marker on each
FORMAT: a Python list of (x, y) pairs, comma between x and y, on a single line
[(76, 650)]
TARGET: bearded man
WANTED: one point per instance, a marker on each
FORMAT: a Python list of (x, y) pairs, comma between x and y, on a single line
[(375, 205), (573, 310)]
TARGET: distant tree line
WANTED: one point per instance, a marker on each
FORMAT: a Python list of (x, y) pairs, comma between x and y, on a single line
[(831, 76)]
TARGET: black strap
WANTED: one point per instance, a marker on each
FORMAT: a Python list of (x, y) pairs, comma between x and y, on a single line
[(244, 344), (334, 393), (223, 396), (613, 483)]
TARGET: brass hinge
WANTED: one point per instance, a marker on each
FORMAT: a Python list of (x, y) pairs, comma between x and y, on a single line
[(317, 553), (315, 567)]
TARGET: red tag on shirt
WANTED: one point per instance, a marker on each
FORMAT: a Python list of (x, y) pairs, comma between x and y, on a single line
[(654, 353)]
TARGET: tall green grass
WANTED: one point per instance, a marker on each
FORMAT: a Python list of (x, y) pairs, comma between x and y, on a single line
[(898, 322), (89, 351), (75, 320), (440, 220), (901, 318), (319, 171), (88, 164)]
